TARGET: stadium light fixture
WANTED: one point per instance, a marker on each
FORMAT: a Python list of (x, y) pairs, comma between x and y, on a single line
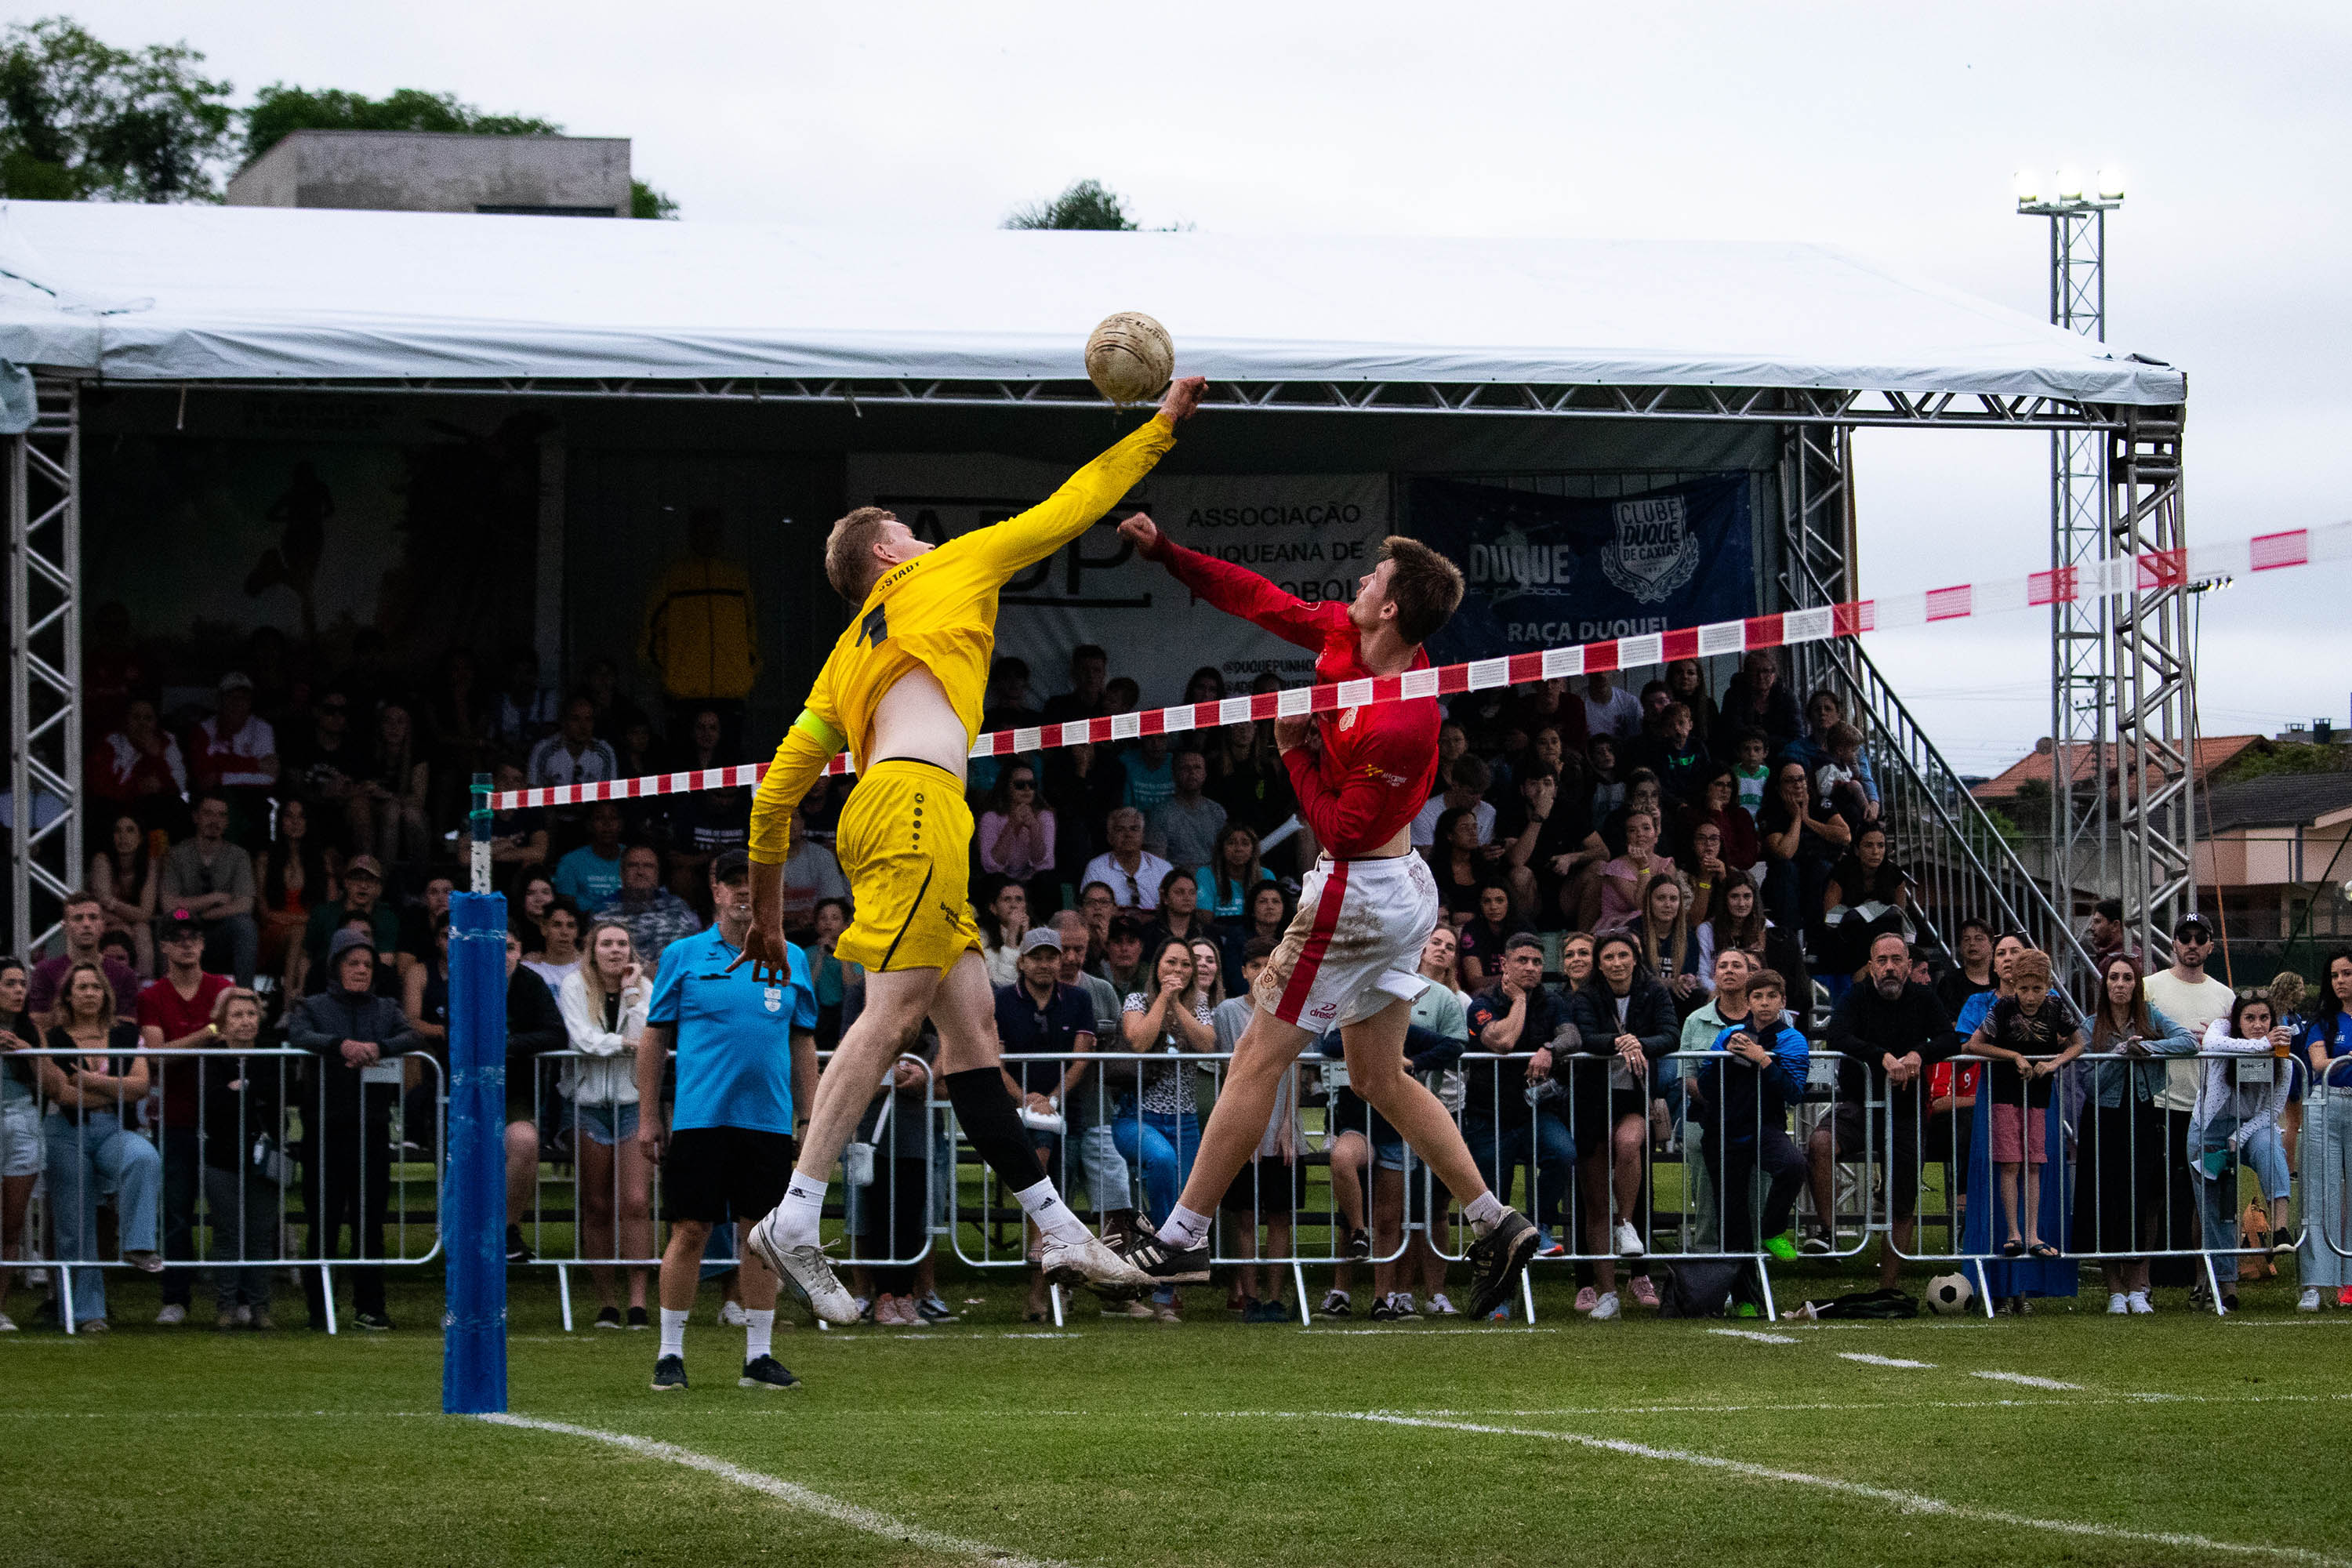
[(2062, 195), (2070, 184), (2111, 184), (2029, 187)]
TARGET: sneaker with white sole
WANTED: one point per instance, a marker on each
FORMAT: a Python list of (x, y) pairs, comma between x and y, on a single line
[(1439, 1307), (2117, 1304), (172, 1314), (766, 1373), (1816, 1245), (2309, 1301), (731, 1315), (1628, 1240), (2139, 1304), (7, 1324), (1587, 1298), (1606, 1307), (1335, 1305), (807, 1269), (1087, 1261)]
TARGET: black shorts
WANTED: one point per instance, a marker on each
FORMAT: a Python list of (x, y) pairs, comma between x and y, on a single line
[(1266, 1185), (712, 1174)]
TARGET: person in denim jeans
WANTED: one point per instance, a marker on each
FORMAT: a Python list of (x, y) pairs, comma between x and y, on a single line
[(93, 1104), (1155, 1126), (1085, 1103), (21, 1148), (1502, 1125), (2236, 1120)]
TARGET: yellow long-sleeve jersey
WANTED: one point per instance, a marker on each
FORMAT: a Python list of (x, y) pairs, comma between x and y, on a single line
[(938, 611)]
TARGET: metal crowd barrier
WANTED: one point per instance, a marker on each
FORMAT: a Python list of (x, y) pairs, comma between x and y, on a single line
[(578, 1220), (2120, 1184), (212, 1174)]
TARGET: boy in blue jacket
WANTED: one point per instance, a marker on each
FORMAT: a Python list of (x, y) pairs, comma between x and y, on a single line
[(1745, 1099)]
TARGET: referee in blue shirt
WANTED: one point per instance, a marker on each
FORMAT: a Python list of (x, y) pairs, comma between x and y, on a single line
[(746, 1047)]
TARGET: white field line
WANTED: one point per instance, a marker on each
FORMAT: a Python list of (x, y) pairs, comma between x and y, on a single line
[(1868, 1360), (848, 1514), (1759, 1336), (2024, 1380), (1907, 1502)]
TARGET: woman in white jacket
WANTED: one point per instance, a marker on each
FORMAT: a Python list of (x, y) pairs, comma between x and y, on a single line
[(2239, 1097), (603, 999)]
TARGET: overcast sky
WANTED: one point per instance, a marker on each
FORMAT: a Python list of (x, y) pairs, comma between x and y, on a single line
[(1894, 130)]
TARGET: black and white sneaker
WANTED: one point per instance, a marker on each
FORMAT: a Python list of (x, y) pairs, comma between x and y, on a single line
[(1384, 1310), (608, 1317), (516, 1250), (1816, 1245), (1335, 1305), (669, 1374), (638, 1319), (1498, 1259), (1162, 1264), (763, 1371), (1359, 1243)]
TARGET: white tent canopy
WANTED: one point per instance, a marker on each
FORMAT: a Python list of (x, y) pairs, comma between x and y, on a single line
[(204, 293)]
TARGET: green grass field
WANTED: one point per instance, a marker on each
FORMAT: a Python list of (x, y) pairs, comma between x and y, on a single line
[(2176, 1439)]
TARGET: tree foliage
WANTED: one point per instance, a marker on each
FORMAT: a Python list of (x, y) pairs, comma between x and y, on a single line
[(278, 110), (1088, 204), (647, 202), (83, 120)]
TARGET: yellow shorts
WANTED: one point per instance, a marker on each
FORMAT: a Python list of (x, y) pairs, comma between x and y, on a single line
[(905, 844)]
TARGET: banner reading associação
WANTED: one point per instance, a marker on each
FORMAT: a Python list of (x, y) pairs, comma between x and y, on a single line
[(1548, 571)]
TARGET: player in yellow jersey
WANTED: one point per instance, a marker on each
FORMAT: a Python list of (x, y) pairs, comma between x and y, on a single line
[(901, 690)]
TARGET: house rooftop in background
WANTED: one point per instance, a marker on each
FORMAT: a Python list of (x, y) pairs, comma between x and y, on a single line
[(440, 172), (2036, 767)]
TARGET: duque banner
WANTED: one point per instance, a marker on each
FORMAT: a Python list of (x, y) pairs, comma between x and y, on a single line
[(1313, 535), (1549, 571)]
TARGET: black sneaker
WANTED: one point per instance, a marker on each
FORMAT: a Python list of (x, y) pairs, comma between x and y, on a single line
[(1335, 1305), (516, 1251), (1383, 1310), (1498, 1259), (766, 1372), (608, 1317), (638, 1319), (1164, 1264), (373, 1322), (1359, 1243), (932, 1310), (669, 1374)]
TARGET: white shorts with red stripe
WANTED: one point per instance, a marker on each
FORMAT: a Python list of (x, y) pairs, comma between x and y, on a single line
[(1355, 945)]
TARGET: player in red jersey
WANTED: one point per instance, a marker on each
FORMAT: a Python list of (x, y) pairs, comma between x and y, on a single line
[(1351, 958)]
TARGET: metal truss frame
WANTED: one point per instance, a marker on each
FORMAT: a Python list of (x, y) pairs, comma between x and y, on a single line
[(2154, 682), (1710, 405), (45, 711), (2082, 684)]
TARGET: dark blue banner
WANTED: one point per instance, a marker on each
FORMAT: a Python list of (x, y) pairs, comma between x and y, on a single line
[(1547, 571)]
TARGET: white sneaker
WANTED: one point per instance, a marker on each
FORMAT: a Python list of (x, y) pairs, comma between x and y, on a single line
[(7, 1324), (731, 1315), (245, 1315), (1606, 1307), (2139, 1304), (172, 1314), (1089, 1262), (2117, 1304), (2309, 1301), (805, 1270), (1628, 1240), (1439, 1307)]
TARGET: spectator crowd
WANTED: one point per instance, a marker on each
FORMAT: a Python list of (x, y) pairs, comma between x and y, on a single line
[(1656, 897)]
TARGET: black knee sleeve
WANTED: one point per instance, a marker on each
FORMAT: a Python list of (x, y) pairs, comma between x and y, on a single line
[(989, 1120)]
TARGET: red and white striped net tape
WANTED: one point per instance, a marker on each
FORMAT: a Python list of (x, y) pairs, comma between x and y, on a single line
[(2149, 570)]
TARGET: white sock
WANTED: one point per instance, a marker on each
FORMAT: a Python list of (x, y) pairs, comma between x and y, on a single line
[(1185, 1228), (1041, 1202), (756, 1337), (1483, 1212), (801, 1211), (673, 1331)]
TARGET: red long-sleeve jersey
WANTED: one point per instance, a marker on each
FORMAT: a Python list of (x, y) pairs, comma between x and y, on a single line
[(1377, 762)]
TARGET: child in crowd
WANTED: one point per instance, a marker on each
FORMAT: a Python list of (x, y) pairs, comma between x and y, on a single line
[(2028, 1035), (1838, 782), (1749, 772), (1675, 755)]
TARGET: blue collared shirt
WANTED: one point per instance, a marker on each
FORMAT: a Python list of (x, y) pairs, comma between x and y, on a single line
[(733, 1034)]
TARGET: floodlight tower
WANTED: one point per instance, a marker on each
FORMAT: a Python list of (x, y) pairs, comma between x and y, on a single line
[(2082, 682)]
